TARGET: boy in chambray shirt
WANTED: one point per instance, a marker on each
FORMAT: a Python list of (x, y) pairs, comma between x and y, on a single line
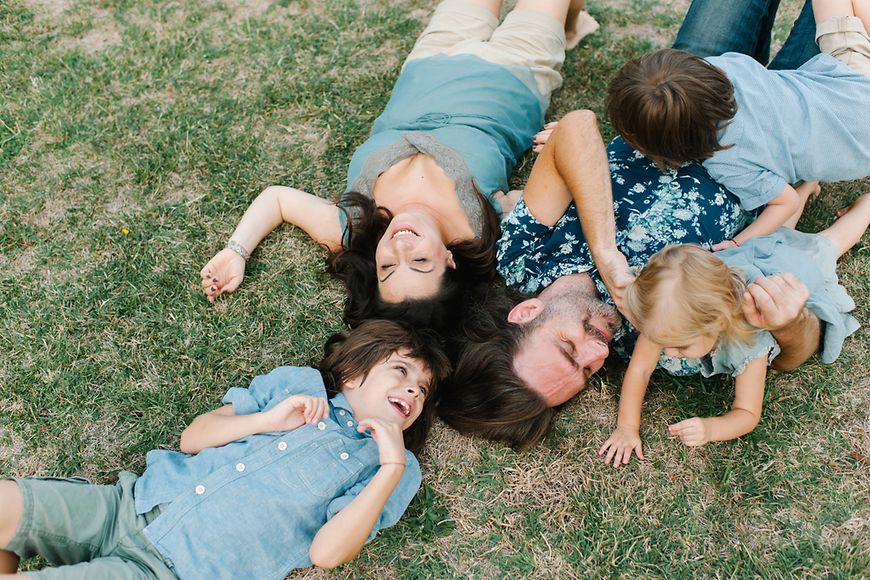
[(278, 478)]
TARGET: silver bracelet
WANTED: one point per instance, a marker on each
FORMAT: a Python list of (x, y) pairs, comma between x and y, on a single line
[(237, 248)]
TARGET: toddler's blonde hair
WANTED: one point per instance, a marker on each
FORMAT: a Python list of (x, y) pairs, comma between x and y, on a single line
[(685, 292)]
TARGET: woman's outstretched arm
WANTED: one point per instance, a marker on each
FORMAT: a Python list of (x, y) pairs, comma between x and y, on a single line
[(276, 205)]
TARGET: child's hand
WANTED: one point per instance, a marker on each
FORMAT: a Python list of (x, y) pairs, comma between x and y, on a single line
[(621, 444), (693, 432), (223, 273), (388, 436), (724, 245), (295, 411)]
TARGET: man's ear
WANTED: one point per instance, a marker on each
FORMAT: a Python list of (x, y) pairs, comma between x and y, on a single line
[(526, 311)]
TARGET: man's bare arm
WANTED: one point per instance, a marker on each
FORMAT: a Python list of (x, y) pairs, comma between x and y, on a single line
[(573, 167)]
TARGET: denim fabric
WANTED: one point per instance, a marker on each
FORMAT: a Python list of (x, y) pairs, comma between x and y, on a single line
[(652, 209), (714, 27), (250, 509)]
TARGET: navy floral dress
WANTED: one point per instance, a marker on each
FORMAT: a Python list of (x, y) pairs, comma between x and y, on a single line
[(653, 209)]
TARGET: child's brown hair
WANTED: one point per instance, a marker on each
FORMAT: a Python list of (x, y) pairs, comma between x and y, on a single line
[(351, 354), (670, 105), (702, 295)]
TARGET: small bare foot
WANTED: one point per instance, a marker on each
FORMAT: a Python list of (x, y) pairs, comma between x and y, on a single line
[(861, 201), (584, 25)]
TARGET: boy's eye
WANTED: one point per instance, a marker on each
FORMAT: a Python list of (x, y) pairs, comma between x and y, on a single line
[(402, 369), (424, 390), (420, 260)]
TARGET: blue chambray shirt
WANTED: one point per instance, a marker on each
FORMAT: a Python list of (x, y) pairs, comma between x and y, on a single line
[(251, 508)]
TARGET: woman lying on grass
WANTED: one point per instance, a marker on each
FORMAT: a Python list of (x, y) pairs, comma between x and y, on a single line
[(690, 303), (417, 224), (278, 478)]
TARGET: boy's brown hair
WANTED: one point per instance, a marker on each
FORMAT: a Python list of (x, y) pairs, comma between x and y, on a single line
[(348, 355), (670, 106)]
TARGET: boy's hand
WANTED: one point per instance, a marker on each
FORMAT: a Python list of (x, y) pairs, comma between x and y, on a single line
[(223, 273), (295, 411), (541, 137), (724, 245), (620, 445), (388, 436), (693, 432)]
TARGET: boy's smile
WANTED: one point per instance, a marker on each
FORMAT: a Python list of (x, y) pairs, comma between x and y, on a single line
[(394, 390)]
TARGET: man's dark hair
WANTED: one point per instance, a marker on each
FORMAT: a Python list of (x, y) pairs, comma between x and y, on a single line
[(351, 354), (484, 396), (670, 105), (355, 267)]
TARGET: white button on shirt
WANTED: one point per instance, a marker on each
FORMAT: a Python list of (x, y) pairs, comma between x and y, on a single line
[(321, 425), (341, 413), (240, 467), (282, 445), (344, 456), (350, 423), (200, 489)]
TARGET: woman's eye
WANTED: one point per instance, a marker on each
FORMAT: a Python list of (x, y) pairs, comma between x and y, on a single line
[(386, 266), (420, 260)]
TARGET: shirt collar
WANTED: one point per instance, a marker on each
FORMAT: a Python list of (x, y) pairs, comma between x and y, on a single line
[(343, 415)]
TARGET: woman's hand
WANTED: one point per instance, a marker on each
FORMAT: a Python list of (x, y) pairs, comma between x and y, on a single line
[(388, 436), (542, 136), (724, 245), (693, 432), (620, 445), (223, 273), (295, 411)]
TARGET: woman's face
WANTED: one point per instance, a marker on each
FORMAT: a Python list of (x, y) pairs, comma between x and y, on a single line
[(411, 258)]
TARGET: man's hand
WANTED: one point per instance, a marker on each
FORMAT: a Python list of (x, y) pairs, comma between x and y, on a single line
[(620, 445), (773, 302), (388, 436), (616, 274), (295, 411), (693, 432), (223, 273)]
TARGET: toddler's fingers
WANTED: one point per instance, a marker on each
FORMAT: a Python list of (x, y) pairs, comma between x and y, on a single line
[(617, 459), (610, 453), (604, 447), (639, 452)]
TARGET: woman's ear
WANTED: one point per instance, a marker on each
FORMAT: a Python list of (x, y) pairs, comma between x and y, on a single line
[(526, 311), (451, 263)]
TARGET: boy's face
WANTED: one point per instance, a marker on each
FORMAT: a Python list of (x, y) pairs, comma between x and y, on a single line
[(393, 391)]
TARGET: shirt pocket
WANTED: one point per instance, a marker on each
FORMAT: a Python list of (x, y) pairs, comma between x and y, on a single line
[(326, 468)]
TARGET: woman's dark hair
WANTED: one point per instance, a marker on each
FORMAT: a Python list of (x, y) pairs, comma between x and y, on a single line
[(354, 266), (351, 354), (484, 396), (670, 105)]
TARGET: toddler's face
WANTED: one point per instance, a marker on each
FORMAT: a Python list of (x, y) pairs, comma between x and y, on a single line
[(695, 348), (394, 391)]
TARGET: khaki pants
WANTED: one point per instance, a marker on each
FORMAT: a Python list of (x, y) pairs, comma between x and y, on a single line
[(845, 38), (525, 38)]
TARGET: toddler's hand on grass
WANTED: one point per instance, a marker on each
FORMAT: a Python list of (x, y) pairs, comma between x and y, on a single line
[(295, 411), (620, 445), (388, 436), (693, 432), (223, 273)]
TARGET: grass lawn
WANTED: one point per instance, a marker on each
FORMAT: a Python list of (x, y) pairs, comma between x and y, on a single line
[(134, 133)]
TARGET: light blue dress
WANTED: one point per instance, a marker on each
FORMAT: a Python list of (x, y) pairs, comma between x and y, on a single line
[(810, 257)]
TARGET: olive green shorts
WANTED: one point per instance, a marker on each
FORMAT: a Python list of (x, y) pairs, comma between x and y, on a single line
[(88, 531)]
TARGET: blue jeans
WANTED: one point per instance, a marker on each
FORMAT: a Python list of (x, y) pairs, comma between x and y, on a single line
[(714, 27)]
